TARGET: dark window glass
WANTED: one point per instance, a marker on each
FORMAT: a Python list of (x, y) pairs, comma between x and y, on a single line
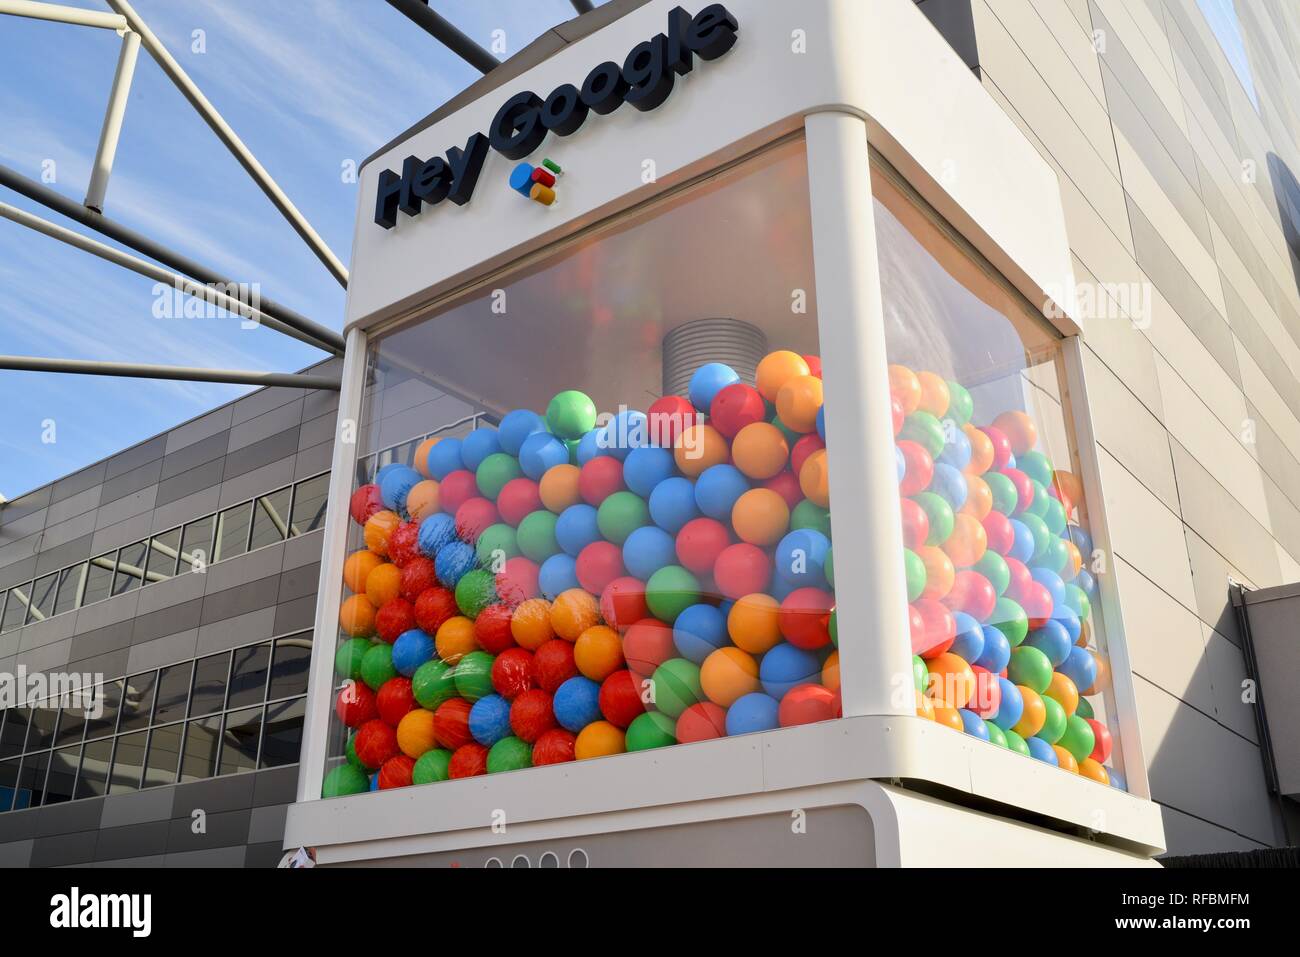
[(15, 732), (366, 469), (8, 783), (232, 532), (43, 593), (202, 747), (16, 607), (31, 780), (71, 583), (137, 701), (309, 501), (289, 666), (63, 774), (3, 595), (196, 544), (164, 754), (173, 693), (128, 763), (72, 722), (163, 550), (239, 741), (248, 676), (99, 578), (95, 758), (210, 676), (283, 738), (271, 518), (45, 717), (130, 567), (108, 702)]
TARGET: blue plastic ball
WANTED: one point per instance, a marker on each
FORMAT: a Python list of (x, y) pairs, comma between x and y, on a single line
[(374, 781), (997, 650), (395, 486), (956, 451), (973, 724), (708, 380), (785, 666), (558, 574), (517, 426), (436, 531), (386, 470), (1052, 582), (489, 720), (1069, 620), (648, 549), (1082, 540), (801, 558), (411, 649), (576, 528), (1080, 667), (1011, 706), (969, 643), (1052, 640), (821, 422), (1085, 581), (717, 489), (672, 504), (478, 445), (628, 430), (753, 712), (445, 458), (646, 467), (699, 631), (949, 484), (1117, 779), (1023, 546), (576, 703), (1042, 751), (453, 561), (589, 447), (541, 451)]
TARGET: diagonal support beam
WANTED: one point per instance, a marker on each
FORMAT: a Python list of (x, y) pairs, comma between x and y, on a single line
[(444, 31), (59, 13), (113, 116), (132, 370), (582, 6)]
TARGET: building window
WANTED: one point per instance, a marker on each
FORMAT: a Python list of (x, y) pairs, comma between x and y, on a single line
[(202, 748), (92, 780), (99, 578), (43, 593), (130, 568), (196, 544), (270, 518), (289, 669), (128, 763), (137, 701), (232, 531), (110, 694), (164, 550), (210, 677), (239, 741), (164, 755), (61, 783), (72, 583), (16, 607), (309, 501)]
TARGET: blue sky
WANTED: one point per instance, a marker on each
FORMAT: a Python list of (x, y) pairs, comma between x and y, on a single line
[(1222, 17), (307, 84)]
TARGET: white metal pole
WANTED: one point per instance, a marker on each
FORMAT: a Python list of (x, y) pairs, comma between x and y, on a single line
[(113, 115), (870, 587), (59, 13), (232, 141), (320, 678)]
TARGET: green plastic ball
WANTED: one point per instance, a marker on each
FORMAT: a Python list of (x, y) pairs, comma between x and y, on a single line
[(960, 404), (343, 780), (676, 685), (1038, 504), (833, 626), (1085, 709), (475, 591), (1015, 742), (433, 683), (811, 515), (1036, 465), (1042, 537), (651, 729), (1005, 497), (996, 734), (670, 591), (572, 446), (431, 766), (1054, 516), (509, 754), (494, 472), (350, 749), (1076, 599), (347, 660), (377, 665), (939, 512), (920, 673), (473, 675), (571, 414), (620, 515), (536, 535), (1054, 726), (1057, 556), (1010, 619), (994, 567), (495, 545), (1078, 737), (914, 569), (791, 436), (926, 431), (830, 567), (1030, 667)]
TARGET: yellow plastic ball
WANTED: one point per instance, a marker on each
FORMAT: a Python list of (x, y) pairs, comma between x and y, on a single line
[(422, 456), (699, 447), (728, 674), (598, 652), (1033, 717), (530, 625), (776, 369), (455, 639), (573, 612), (559, 487), (799, 401), (597, 740), (815, 479), (383, 584), (357, 566), (760, 450), (935, 395), (760, 517), (415, 733), (754, 623), (377, 530), (422, 501), (357, 616)]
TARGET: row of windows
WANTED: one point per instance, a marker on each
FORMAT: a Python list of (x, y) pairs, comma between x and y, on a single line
[(221, 714), (284, 513), (404, 452)]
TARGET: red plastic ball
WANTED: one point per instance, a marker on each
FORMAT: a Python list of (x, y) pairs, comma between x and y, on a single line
[(667, 417), (741, 570), (519, 498), (1104, 742), (553, 665), (937, 628), (599, 479), (1001, 446), (1021, 580), (622, 603), (916, 524), (814, 365), (365, 501), (735, 407), (517, 581), (531, 715), (620, 698), (805, 704), (468, 761), (512, 672), (699, 543), (393, 618), (555, 746), (999, 531), (433, 607), (492, 629), (1037, 604), (355, 704), (918, 468), (805, 447), (700, 722), (972, 593), (473, 516), (456, 489), (1024, 488), (451, 724), (375, 743), (988, 693), (599, 564), (396, 772), (394, 699), (647, 645), (786, 485), (404, 544), (417, 576), (804, 617), (898, 412)]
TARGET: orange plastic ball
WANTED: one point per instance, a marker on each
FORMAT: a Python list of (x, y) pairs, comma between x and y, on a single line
[(935, 395), (383, 584), (831, 671), (981, 451), (598, 652), (1034, 716), (455, 639), (760, 517), (939, 571), (422, 456), (357, 566), (415, 733), (1062, 690), (422, 501), (728, 674), (948, 717), (559, 487), (925, 707), (906, 387), (378, 528), (760, 450), (1091, 768), (1075, 557), (776, 369), (597, 740), (357, 616), (979, 498), (1065, 759), (754, 623), (1019, 429), (815, 479), (968, 541), (1069, 485), (699, 447), (530, 625), (1085, 631), (951, 683), (573, 612), (799, 401)]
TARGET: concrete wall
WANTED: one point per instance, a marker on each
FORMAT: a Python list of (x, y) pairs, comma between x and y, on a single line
[(1172, 180)]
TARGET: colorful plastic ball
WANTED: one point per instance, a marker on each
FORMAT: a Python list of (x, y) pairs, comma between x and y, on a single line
[(699, 543), (558, 488), (396, 772), (969, 643), (1080, 666), (412, 649), (933, 628), (455, 639), (431, 766), (702, 721), (698, 631), (540, 452), (1030, 667), (343, 781), (807, 703), (753, 712), (718, 488), (735, 407), (1010, 619), (707, 381), (383, 584), (805, 447), (418, 576), (357, 616), (667, 417), (570, 414), (1015, 742), (516, 426), (445, 458), (620, 514), (599, 479), (1011, 705), (698, 448), (1102, 742), (489, 719), (1033, 714), (355, 704), (555, 746), (492, 628), (512, 673), (801, 558), (776, 369), (997, 650), (727, 674), (558, 574), (951, 485), (495, 545), (433, 607), (814, 479), (597, 565), (648, 643), (951, 682), (468, 761), (671, 590), (348, 657), (396, 485), (415, 732), (475, 591), (474, 675), (940, 518), (916, 524), (531, 715), (365, 502), (622, 602), (651, 730), (518, 498), (623, 433), (806, 515), (378, 528), (672, 504), (646, 467), (433, 683), (357, 568), (494, 472), (1055, 721), (454, 561), (1005, 497), (377, 666), (804, 618), (742, 569), (1077, 738), (404, 544), (995, 734), (797, 402), (599, 739), (598, 652), (394, 700), (575, 528), (972, 593), (754, 623), (620, 698), (987, 700), (1040, 750), (648, 549), (577, 703), (676, 686), (973, 724), (760, 450), (478, 445), (1053, 640), (530, 625)]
